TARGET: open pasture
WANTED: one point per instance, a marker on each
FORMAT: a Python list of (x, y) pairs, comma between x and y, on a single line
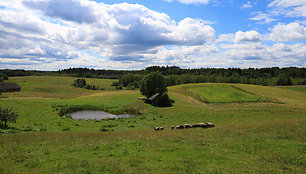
[(220, 93), (54, 87), (262, 132)]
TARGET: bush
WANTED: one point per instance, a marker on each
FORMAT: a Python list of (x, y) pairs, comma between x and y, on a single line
[(119, 87), (91, 87), (79, 83), (115, 83)]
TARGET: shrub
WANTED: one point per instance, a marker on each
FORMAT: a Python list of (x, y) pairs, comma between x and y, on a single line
[(119, 87), (115, 83), (92, 87), (79, 83)]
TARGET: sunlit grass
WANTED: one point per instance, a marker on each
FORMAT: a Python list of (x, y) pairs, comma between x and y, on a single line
[(296, 88), (54, 87), (288, 97), (220, 93), (256, 137)]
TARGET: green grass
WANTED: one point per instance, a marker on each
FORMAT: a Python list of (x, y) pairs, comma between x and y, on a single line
[(295, 88), (54, 87), (256, 137), (288, 97), (211, 93)]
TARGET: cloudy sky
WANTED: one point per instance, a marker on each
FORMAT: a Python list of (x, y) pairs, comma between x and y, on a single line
[(130, 34)]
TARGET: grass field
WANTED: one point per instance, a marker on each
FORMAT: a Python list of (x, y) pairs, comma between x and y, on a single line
[(258, 129), (212, 93), (295, 88), (54, 87)]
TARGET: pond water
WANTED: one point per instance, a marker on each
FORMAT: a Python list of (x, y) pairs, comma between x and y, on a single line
[(95, 115)]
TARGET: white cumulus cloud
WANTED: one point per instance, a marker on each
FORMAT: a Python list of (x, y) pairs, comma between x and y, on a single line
[(288, 32), (60, 29), (248, 36), (292, 8), (226, 38)]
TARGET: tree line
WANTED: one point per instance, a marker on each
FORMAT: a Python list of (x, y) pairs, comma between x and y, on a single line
[(258, 76), (175, 75)]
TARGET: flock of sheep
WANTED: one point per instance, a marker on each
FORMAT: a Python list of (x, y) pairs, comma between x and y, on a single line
[(187, 126)]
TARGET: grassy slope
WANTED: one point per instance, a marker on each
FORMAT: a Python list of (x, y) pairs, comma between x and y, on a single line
[(289, 97), (212, 93), (296, 88), (53, 87), (249, 137)]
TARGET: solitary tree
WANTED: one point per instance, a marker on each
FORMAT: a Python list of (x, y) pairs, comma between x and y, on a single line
[(153, 83), (7, 115)]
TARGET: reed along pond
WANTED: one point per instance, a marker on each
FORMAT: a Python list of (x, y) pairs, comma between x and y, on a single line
[(95, 115)]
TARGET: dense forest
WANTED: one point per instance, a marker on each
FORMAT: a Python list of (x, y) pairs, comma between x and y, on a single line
[(175, 75)]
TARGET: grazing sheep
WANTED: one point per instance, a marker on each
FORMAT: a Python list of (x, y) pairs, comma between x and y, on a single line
[(188, 126), (172, 127), (196, 125), (158, 128), (211, 125), (179, 127), (203, 125)]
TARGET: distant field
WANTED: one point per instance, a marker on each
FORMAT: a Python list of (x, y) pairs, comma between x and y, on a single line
[(54, 87), (295, 98), (250, 136), (211, 93), (296, 88)]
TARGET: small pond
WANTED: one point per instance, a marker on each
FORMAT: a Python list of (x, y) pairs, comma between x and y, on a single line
[(95, 115)]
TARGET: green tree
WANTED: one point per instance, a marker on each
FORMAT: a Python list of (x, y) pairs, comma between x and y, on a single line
[(79, 83), (153, 83), (127, 79), (284, 80), (3, 77), (7, 115)]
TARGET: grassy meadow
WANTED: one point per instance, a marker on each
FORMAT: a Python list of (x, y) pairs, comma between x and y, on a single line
[(259, 129)]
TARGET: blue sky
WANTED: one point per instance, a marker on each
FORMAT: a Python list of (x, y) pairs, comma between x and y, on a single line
[(117, 34)]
